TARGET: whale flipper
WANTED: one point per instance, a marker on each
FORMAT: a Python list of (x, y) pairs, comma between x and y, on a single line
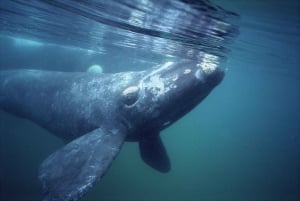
[(70, 172), (153, 153), (99, 111)]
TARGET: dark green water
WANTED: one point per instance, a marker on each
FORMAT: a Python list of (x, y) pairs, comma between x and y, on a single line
[(241, 143)]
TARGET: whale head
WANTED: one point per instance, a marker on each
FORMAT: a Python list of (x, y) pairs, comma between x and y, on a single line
[(163, 95), (167, 92)]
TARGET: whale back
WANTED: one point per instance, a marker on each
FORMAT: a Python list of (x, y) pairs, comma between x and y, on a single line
[(67, 104)]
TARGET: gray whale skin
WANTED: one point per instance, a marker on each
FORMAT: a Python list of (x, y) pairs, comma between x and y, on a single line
[(96, 113)]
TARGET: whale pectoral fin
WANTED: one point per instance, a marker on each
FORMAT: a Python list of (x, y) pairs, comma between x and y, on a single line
[(154, 153), (68, 173)]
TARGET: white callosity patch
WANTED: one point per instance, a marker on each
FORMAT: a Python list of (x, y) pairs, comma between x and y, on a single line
[(130, 90), (157, 85), (187, 71), (209, 63)]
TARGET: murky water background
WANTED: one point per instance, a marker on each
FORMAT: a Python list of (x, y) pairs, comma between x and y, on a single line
[(241, 143)]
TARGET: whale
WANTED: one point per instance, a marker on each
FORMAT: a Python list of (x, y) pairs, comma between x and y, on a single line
[(96, 113)]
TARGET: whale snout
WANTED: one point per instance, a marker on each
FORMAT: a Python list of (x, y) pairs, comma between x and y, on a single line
[(216, 77), (211, 76)]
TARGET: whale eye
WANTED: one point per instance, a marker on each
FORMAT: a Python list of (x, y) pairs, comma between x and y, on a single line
[(130, 95)]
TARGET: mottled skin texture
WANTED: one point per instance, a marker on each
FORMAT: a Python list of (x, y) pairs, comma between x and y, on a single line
[(96, 113), (67, 104)]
